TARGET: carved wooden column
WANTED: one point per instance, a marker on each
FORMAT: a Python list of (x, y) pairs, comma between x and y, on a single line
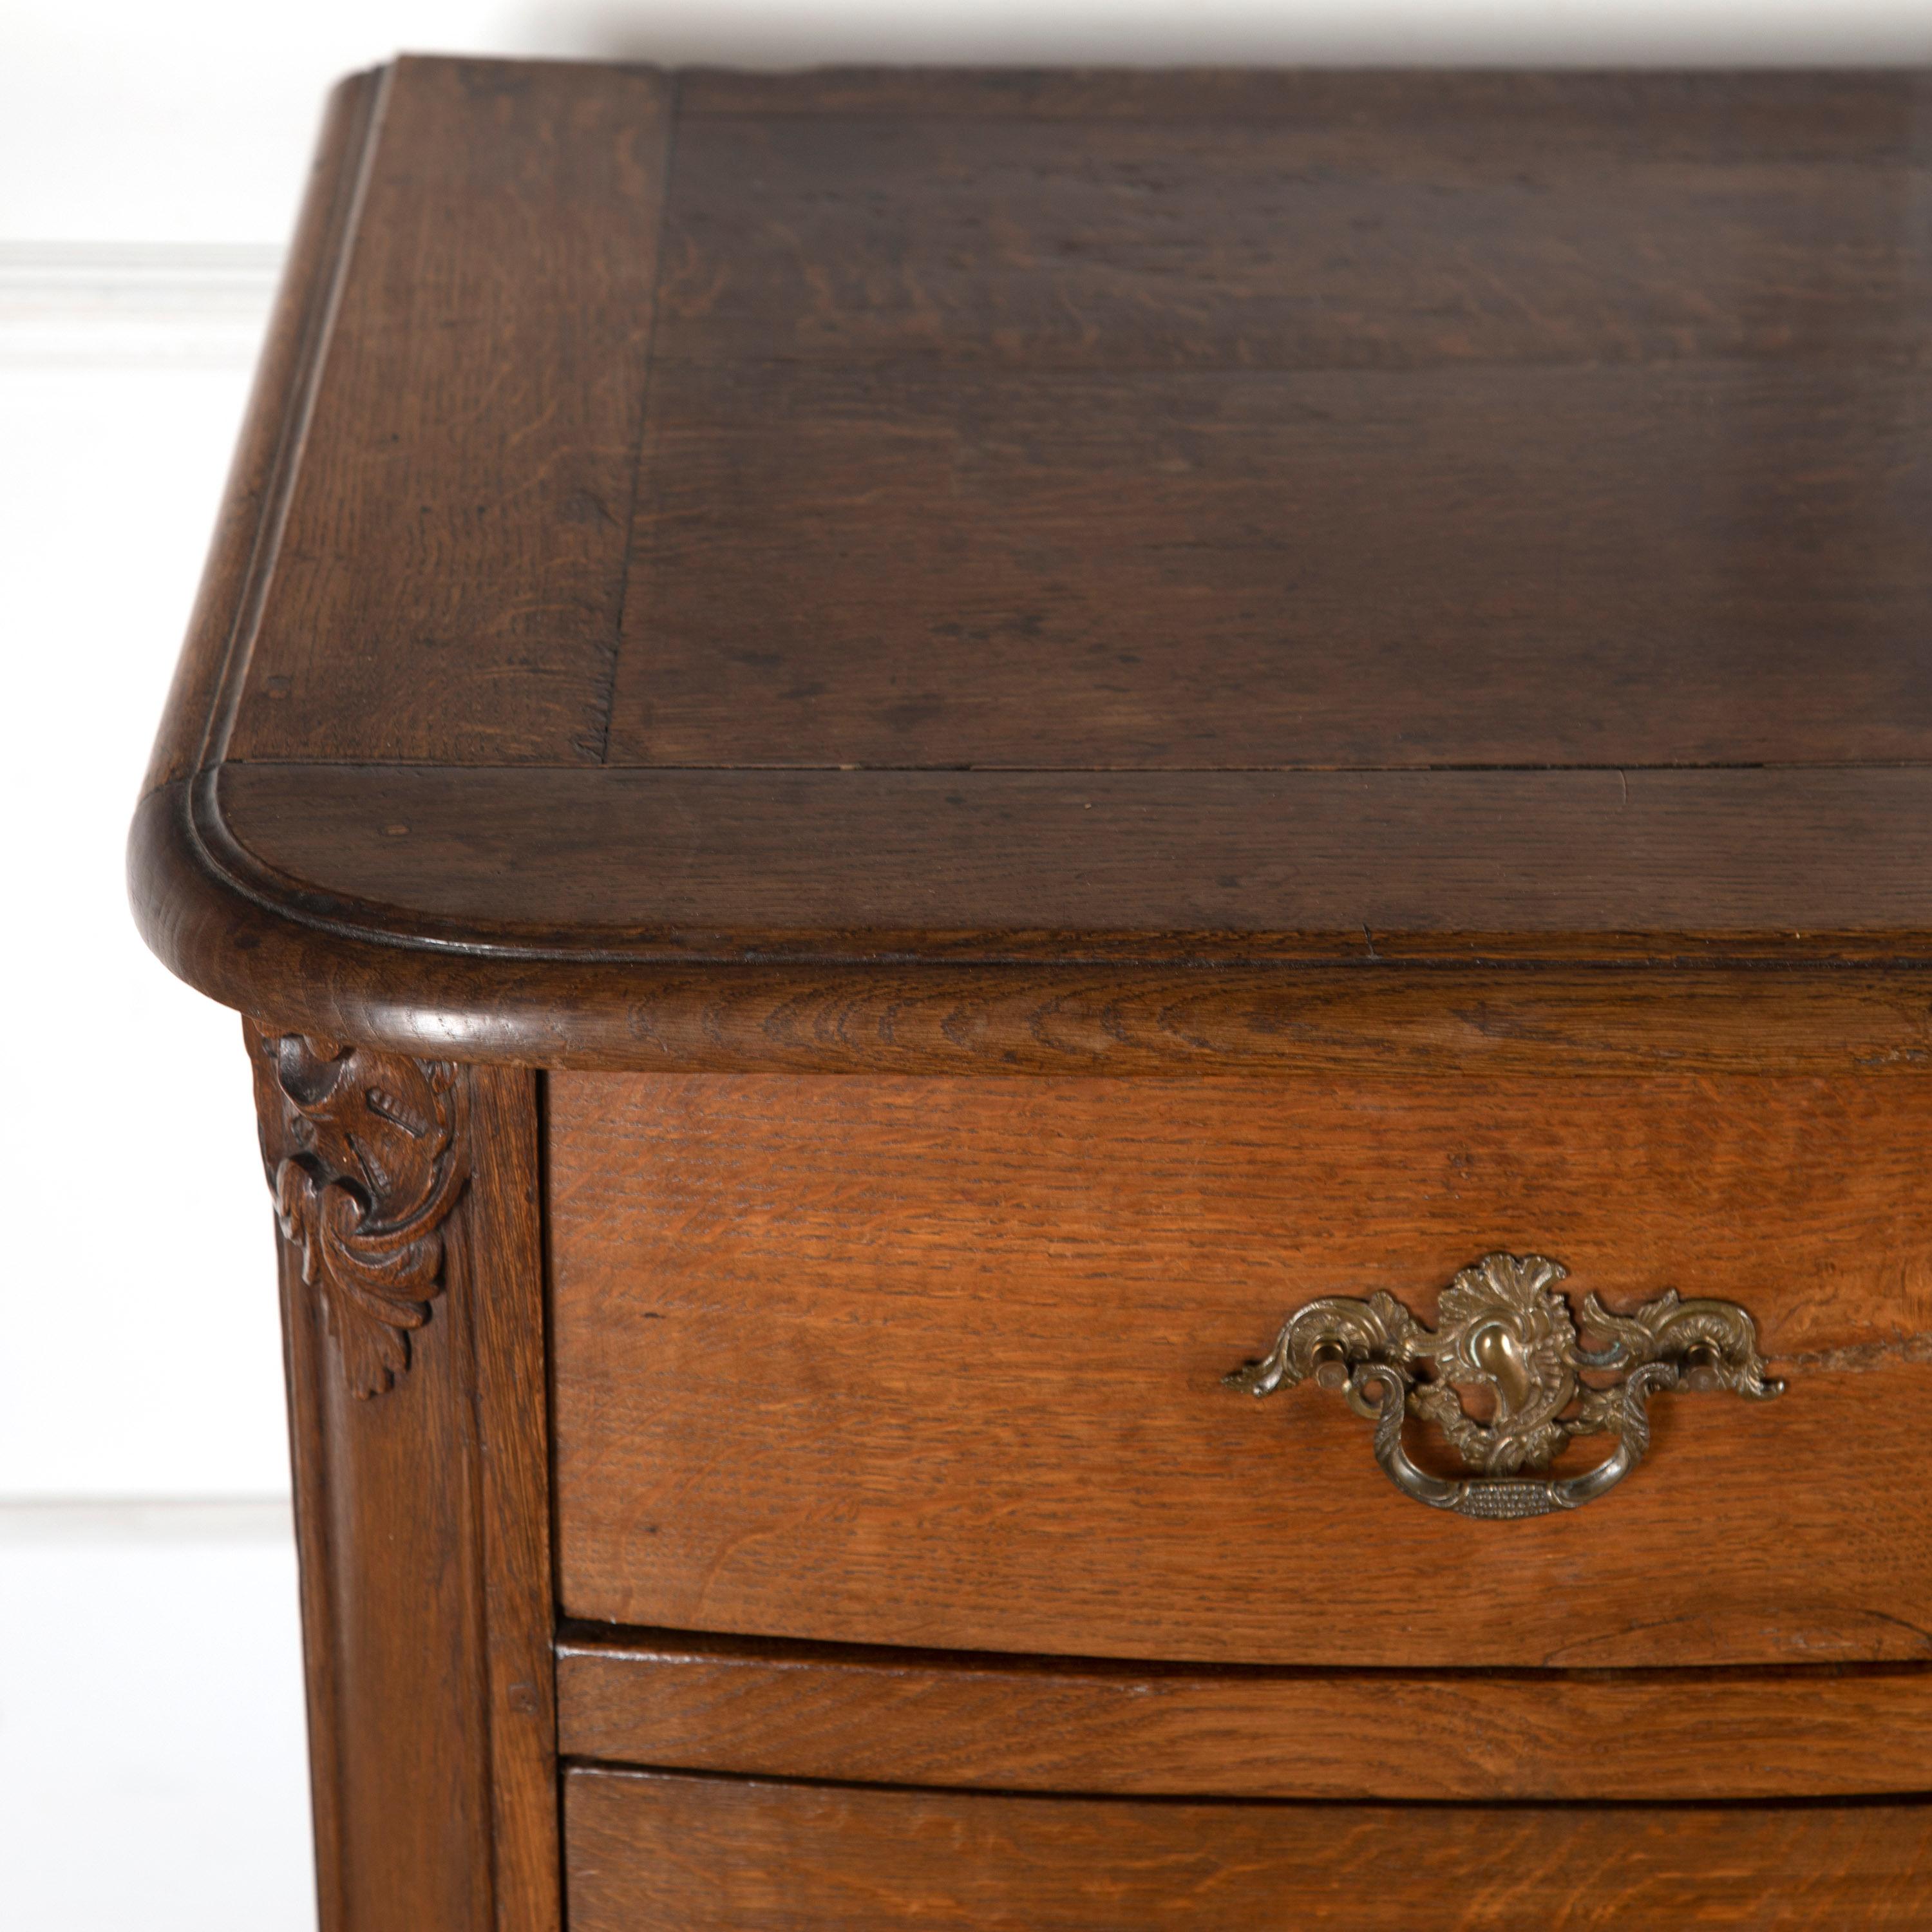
[(406, 1193)]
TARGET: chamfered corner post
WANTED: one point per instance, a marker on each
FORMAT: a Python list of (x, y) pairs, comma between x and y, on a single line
[(406, 1196)]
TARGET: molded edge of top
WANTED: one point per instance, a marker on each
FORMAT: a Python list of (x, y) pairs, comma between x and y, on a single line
[(226, 926), (294, 970)]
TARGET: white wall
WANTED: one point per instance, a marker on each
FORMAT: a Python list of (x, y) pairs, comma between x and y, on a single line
[(152, 1768), (151, 1765), (151, 152)]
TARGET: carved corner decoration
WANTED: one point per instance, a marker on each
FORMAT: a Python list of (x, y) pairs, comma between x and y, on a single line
[(1505, 1331), (366, 1153)]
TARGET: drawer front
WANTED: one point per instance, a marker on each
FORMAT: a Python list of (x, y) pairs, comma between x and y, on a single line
[(764, 1707), (939, 1362), (718, 1855)]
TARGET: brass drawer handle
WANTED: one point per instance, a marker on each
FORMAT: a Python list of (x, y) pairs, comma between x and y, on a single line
[(1504, 1327)]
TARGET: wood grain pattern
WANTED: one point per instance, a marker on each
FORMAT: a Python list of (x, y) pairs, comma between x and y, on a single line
[(367, 1157), (1162, 425), (1164, 222), (1844, 116), (512, 1548), (322, 968), (1083, 463), (1647, 865), (937, 1362), (422, 1534), (1261, 569), (1407, 589), (449, 579), (884, 1717), (696, 1854)]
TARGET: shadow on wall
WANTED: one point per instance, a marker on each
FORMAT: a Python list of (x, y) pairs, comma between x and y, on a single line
[(777, 33)]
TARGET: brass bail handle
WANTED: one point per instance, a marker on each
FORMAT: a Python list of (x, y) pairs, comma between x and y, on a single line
[(1504, 1326)]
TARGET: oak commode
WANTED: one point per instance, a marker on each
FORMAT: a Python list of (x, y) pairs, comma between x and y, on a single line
[(907, 775)]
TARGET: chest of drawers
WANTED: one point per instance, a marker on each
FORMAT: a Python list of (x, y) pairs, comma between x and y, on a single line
[(1084, 922)]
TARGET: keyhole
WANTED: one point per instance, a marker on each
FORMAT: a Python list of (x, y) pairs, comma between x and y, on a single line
[(1500, 1356)]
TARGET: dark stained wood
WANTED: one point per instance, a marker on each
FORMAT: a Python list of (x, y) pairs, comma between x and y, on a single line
[(701, 1854), (937, 1362), (1291, 221), (1247, 569), (1709, 116), (418, 1434), (1254, 440), (964, 865), (449, 576), (313, 966), (887, 1716), (1271, 421)]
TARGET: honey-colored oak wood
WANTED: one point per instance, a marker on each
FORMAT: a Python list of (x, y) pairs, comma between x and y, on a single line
[(418, 1428), (700, 1854), (938, 1362), (815, 1711)]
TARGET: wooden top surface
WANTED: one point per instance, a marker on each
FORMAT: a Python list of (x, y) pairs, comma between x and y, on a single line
[(1042, 519)]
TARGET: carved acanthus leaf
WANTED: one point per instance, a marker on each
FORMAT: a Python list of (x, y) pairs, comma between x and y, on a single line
[(367, 1153)]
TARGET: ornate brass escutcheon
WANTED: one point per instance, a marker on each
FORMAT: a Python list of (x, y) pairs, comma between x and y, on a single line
[(1504, 1328)]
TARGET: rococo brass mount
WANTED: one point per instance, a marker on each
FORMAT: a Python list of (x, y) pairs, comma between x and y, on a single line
[(1504, 1328)]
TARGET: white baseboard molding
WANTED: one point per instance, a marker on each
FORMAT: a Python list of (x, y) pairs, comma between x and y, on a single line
[(146, 1519), (94, 304)]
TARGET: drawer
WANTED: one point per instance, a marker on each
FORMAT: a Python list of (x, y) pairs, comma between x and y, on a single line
[(769, 1708), (939, 1362), (719, 1855)]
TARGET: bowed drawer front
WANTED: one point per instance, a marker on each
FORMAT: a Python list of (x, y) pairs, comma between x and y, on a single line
[(945, 1362), (680, 1855)]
